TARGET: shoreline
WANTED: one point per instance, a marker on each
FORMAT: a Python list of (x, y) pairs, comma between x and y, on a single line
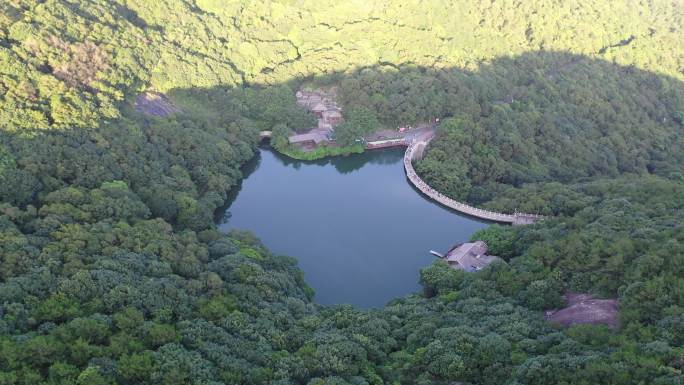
[(416, 142)]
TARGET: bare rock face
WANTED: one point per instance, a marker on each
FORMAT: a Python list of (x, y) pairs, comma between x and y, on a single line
[(155, 104), (585, 309)]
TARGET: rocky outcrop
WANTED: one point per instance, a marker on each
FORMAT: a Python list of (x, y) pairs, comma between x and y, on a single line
[(585, 309), (155, 104)]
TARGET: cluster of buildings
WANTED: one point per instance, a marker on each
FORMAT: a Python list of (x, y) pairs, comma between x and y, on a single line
[(326, 110), (323, 106)]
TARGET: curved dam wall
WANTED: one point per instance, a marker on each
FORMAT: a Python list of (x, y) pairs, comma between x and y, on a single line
[(415, 151)]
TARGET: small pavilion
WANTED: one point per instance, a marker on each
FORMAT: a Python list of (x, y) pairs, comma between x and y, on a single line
[(470, 256)]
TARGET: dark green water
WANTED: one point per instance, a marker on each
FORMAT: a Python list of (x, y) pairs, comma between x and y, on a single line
[(360, 231)]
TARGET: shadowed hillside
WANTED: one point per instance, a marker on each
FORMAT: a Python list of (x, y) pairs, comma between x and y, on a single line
[(71, 64)]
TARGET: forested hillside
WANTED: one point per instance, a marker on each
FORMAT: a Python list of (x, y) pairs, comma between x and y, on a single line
[(67, 64), (112, 271)]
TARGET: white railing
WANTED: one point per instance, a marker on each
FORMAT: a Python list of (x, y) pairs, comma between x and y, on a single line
[(520, 218)]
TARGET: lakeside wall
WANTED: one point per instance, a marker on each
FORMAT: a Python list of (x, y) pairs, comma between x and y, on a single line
[(415, 151)]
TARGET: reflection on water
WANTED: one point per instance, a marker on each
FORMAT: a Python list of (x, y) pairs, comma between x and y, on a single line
[(360, 231)]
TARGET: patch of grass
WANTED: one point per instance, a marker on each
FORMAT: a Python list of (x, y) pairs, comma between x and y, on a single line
[(320, 152)]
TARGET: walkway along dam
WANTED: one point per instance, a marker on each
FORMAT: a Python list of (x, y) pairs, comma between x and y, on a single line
[(415, 150)]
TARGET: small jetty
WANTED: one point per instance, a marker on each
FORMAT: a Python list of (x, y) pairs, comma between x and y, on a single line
[(436, 254)]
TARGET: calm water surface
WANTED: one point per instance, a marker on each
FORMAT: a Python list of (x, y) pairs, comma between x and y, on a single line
[(360, 231)]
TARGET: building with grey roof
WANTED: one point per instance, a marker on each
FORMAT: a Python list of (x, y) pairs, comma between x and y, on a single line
[(470, 256)]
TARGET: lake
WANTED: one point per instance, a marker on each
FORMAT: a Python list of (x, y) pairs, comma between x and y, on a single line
[(360, 231)]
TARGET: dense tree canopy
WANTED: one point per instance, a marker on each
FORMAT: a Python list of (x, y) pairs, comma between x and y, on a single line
[(112, 271)]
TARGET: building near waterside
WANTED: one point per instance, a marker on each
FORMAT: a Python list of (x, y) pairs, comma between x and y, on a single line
[(470, 256), (313, 137)]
